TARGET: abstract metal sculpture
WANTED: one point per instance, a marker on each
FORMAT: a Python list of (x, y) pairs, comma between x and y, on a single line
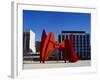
[(48, 45)]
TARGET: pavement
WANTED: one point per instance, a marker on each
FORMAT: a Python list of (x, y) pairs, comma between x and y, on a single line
[(54, 64)]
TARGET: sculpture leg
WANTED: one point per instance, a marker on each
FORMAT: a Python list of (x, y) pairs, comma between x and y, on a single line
[(43, 38)]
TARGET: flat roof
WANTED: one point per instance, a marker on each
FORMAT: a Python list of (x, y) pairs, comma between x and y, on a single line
[(72, 31)]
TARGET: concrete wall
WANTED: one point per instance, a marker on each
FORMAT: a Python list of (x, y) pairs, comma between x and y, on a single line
[(32, 42)]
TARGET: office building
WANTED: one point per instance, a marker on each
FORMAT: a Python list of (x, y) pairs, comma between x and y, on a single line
[(81, 41), (29, 42)]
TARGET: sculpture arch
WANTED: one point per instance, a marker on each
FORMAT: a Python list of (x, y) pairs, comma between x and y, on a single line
[(48, 44)]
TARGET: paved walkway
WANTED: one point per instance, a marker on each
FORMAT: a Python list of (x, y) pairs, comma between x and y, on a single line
[(54, 64)]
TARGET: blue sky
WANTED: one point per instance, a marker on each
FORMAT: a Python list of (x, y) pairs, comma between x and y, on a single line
[(55, 22)]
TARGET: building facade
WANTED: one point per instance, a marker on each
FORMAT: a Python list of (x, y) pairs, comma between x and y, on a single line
[(81, 41), (29, 42)]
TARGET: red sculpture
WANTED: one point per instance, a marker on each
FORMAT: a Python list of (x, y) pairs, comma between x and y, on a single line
[(44, 36), (48, 45)]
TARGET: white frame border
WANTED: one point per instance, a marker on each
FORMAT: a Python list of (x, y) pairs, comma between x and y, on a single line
[(16, 64)]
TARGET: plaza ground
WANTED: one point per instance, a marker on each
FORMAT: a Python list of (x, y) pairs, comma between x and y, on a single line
[(54, 64)]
